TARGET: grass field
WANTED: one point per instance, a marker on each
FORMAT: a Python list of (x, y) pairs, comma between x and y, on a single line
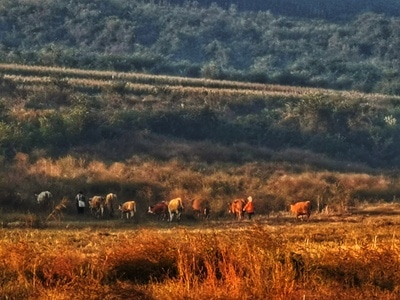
[(350, 256)]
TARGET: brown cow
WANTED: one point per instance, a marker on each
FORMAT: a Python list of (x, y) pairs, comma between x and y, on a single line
[(201, 208), (96, 205), (128, 208), (236, 208), (159, 209), (109, 203), (301, 209)]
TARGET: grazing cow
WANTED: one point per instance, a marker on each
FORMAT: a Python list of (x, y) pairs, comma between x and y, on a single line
[(109, 204), (96, 205), (201, 208), (236, 208), (301, 209), (128, 208), (45, 201), (44, 198), (175, 207), (159, 209)]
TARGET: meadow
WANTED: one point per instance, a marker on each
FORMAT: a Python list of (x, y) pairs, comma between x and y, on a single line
[(153, 138), (333, 256)]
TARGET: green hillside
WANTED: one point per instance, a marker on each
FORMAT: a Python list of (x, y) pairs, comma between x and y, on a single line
[(346, 45), (157, 99), (67, 108), (152, 137), (324, 9)]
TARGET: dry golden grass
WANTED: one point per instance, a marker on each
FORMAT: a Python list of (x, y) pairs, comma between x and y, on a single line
[(156, 84), (351, 258), (150, 181)]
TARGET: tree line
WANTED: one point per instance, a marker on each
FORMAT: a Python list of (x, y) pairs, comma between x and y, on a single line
[(245, 41)]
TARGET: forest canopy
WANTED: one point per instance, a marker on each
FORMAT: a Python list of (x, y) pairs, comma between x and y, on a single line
[(338, 45)]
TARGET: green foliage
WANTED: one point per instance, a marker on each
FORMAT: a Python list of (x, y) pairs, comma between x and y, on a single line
[(52, 130), (12, 138), (256, 42), (193, 124), (7, 87), (243, 122)]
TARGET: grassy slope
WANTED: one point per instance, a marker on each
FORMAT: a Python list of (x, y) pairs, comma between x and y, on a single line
[(152, 167), (343, 255)]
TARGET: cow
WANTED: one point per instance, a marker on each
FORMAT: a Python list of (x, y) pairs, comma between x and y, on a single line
[(111, 198), (236, 208), (301, 209), (44, 198), (128, 209), (175, 207), (45, 201), (96, 205), (201, 208), (160, 210)]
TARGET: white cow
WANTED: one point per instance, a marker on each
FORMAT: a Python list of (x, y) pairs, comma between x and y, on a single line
[(44, 197)]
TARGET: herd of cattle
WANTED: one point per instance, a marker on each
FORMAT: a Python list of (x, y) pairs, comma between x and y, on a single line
[(100, 207)]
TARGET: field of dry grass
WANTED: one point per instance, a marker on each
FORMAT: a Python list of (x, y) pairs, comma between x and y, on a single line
[(349, 256), (140, 83)]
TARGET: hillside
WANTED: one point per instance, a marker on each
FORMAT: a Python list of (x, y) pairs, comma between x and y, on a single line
[(323, 9), (66, 108), (345, 45), (154, 137)]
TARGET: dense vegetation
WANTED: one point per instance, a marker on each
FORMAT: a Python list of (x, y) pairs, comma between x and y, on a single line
[(100, 127), (338, 10), (152, 138), (61, 109), (342, 45)]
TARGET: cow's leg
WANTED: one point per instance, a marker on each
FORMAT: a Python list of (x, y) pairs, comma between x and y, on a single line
[(205, 214)]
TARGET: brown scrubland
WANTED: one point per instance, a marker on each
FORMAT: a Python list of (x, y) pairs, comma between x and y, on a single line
[(330, 257), (346, 251)]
